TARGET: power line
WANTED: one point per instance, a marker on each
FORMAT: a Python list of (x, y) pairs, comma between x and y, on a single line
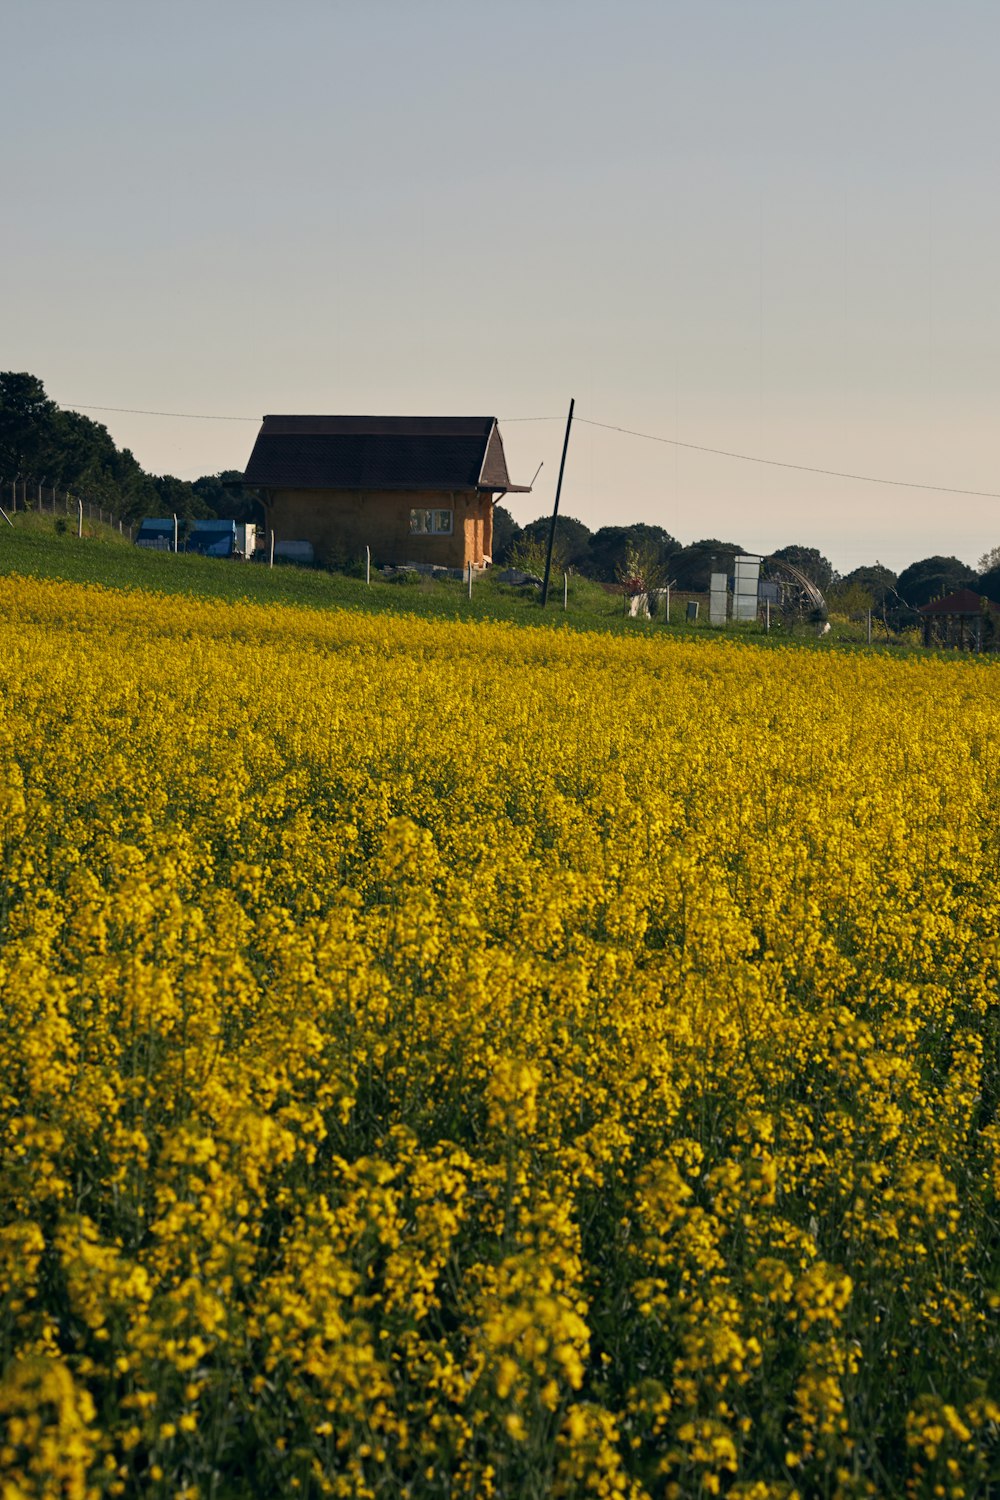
[(201, 416), (747, 458), (136, 411), (777, 463)]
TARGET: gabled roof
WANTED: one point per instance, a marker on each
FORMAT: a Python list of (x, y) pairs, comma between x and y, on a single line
[(379, 453), (963, 602)]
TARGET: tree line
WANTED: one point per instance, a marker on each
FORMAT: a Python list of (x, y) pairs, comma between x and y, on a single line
[(43, 443), (611, 553)]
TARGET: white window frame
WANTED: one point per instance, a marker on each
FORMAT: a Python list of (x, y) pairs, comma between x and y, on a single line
[(432, 520)]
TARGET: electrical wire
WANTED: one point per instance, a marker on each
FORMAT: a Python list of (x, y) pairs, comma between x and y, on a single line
[(137, 411), (777, 463), (201, 416), (649, 437)]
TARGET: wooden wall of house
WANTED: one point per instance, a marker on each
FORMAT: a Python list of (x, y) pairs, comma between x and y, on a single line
[(341, 523)]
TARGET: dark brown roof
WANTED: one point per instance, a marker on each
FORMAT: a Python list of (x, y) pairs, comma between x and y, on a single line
[(963, 602), (379, 453)]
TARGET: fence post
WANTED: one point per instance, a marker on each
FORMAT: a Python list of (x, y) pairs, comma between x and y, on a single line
[(79, 519), (565, 591), (270, 561), (767, 617), (869, 627), (368, 566), (175, 533)]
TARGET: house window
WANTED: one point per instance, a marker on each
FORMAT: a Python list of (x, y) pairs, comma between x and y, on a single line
[(430, 522)]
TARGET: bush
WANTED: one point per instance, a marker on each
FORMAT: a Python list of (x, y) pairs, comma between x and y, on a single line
[(529, 554)]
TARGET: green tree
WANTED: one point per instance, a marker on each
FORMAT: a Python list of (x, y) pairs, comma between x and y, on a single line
[(989, 584), (692, 566), (505, 533), (225, 496), (572, 539), (178, 497), (72, 452), (932, 578), (611, 545), (81, 455), (26, 417), (870, 586), (136, 488), (809, 561)]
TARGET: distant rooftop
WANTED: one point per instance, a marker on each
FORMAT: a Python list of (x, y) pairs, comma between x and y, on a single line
[(962, 602)]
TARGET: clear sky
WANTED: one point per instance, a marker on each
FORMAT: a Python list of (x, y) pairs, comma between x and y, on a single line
[(770, 226)]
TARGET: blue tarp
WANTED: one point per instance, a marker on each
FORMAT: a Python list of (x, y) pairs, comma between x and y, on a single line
[(212, 538), (156, 531)]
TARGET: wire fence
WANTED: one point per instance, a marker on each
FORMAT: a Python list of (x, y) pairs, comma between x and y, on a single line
[(27, 494)]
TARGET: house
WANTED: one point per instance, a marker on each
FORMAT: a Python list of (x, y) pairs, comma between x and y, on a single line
[(413, 489)]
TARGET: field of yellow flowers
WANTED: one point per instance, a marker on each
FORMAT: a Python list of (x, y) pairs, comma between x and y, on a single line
[(463, 1061)]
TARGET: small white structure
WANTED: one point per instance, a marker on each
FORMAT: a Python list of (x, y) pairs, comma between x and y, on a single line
[(745, 584), (718, 599), (246, 539)]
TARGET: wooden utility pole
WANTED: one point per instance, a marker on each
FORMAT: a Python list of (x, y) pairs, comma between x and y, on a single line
[(555, 508)]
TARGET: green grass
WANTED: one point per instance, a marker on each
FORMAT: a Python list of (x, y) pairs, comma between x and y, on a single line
[(33, 547)]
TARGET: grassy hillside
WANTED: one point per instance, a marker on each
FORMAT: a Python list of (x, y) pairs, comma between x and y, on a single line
[(34, 547)]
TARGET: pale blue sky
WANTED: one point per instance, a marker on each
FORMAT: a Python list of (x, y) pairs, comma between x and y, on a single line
[(769, 227)]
